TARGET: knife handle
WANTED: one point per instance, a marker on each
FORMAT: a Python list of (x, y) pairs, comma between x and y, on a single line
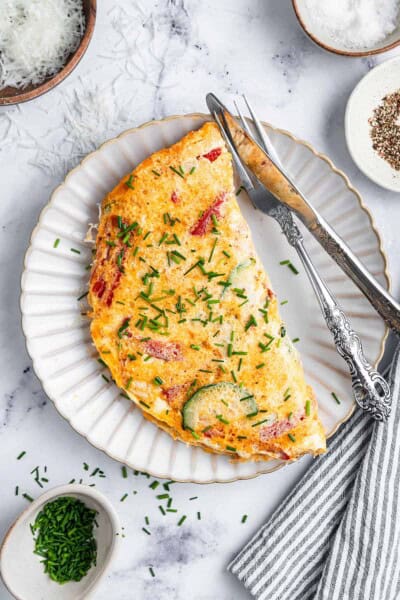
[(370, 389), (380, 299)]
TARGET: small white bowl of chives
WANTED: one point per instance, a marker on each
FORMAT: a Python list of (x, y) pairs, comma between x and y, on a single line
[(21, 568)]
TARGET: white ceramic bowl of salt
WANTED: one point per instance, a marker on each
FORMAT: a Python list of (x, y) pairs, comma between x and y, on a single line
[(351, 27)]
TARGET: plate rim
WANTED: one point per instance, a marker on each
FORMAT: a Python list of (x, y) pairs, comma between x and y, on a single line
[(198, 115)]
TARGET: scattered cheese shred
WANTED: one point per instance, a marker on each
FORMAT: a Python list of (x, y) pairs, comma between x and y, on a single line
[(36, 38)]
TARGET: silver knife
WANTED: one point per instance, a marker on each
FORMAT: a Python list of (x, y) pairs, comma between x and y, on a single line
[(277, 181)]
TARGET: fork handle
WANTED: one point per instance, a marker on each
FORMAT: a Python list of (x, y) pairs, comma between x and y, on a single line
[(381, 300), (371, 391)]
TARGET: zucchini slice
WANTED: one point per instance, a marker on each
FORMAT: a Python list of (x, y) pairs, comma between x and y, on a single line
[(223, 401), (233, 275)]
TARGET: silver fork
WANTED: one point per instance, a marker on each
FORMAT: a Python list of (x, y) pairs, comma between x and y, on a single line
[(370, 389)]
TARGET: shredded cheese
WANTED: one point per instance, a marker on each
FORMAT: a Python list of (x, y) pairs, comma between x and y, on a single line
[(36, 39)]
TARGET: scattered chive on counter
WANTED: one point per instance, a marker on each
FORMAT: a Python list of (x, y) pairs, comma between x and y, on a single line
[(63, 534)]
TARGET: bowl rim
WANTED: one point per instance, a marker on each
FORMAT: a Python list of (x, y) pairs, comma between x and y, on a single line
[(347, 126), (357, 53), (66, 70), (78, 489)]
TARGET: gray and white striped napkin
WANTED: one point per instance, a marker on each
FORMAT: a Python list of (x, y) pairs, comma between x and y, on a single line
[(337, 535)]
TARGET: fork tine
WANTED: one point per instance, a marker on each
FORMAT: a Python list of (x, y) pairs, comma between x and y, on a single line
[(243, 120), (263, 137)]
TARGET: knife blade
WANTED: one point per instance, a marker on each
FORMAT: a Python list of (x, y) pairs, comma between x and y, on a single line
[(277, 181)]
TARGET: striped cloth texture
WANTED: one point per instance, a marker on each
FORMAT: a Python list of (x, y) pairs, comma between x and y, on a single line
[(337, 535)]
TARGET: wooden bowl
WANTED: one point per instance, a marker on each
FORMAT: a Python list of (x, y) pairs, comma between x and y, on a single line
[(319, 37), (12, 95)]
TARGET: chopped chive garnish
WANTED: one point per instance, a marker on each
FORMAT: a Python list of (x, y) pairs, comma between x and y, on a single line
[(291, 437), (75, 250), (162, 496), (193, 498), (124, 472), (83, 296), (56, 242), (162, 511), (172, 510), (290, 265), (231, 448), (284, 302), (156, 173), (27, 497), (259, 422), (177, 172), (146, 530), (128, 182), (181, 520), (308, 408), (194, 347), (199, 516), (226, 253), (244, 518), (251, 322), (295, 340), (154, 485), (335, 398), (123, 497), (212, 250), (222, 419), (260, 366), (144, 404), (192, 170), (21, 455)]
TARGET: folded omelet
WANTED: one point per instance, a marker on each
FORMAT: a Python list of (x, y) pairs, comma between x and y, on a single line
[(183, 313)]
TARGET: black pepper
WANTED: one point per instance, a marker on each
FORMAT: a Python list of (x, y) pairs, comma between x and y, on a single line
[(385, 129)]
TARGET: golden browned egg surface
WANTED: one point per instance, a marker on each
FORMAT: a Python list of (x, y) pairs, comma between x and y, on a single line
[(183, 313)]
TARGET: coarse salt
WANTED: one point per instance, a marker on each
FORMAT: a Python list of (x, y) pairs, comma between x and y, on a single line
[(355, 24), (36, 38)]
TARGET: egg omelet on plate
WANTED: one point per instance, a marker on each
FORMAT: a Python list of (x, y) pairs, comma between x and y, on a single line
[(184, 315)]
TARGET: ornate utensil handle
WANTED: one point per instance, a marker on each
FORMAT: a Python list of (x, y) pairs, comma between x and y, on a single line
[(381, 300), (371, 391)]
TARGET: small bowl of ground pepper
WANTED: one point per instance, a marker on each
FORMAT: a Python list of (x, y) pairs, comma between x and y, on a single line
[(372, 125), (60, 546)]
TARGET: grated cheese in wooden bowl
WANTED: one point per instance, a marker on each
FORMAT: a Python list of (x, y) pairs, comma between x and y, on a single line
[(36, 39)]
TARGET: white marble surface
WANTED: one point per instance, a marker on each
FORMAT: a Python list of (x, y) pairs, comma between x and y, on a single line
[(148, 60)]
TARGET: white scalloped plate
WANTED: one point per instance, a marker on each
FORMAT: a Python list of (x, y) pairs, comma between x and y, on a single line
[(58, 338)]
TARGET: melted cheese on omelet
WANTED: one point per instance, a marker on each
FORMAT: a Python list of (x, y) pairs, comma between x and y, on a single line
[(180, 300)]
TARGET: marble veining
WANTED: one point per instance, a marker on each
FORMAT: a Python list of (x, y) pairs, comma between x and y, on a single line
[(147, 60)]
